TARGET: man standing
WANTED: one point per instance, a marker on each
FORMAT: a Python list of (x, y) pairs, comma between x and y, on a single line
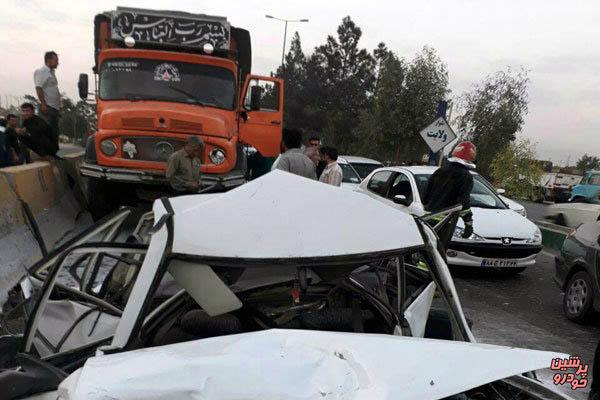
[(20, 151), (36, 133), (5, 156), (292, 159), (332, 174), (46, 87), (451, 185), (183, 169), (312, 152)]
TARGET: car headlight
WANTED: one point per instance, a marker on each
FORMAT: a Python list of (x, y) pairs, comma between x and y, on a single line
[(458, 234), (217, 156), (108, 147), (536, 238)]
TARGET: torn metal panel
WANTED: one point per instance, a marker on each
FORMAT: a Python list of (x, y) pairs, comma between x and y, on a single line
[(293, 364)]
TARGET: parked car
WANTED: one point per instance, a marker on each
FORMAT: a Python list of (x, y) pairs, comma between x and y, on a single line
[(578, 272), (236, 305), (350, 178), (573, 214), (502, 238), (362, 165), (588, 189)]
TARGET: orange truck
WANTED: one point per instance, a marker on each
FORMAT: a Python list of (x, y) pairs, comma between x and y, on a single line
[(161, 76)]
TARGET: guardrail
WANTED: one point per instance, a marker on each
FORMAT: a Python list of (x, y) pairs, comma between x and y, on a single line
[(39, 205), (553, 235)]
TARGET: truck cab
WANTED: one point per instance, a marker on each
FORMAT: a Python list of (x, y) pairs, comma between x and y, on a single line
[(161, 76), (588, 189)]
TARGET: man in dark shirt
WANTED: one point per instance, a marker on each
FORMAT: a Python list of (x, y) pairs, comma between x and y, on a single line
[(19, 150), (451, 185), (36, 133)]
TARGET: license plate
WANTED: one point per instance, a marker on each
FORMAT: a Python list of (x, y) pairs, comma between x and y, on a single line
[(498, 263)]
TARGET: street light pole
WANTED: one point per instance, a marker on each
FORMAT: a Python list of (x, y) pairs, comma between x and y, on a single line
[(284, 39), (285, 33)]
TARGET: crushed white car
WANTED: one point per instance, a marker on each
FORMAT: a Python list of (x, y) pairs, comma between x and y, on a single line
[(244, 295)]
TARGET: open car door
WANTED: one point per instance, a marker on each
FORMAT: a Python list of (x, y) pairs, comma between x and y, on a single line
[(262, 105)]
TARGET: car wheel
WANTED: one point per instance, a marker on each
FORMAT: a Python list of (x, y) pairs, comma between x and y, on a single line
[(577, 301)]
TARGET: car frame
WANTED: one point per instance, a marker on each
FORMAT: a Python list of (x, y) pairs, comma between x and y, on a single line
[(511, 244), (201, 262)]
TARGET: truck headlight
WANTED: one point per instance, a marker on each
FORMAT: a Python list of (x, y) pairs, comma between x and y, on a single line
[(108, 147), (458, 232), (536, 238), (217, 156)]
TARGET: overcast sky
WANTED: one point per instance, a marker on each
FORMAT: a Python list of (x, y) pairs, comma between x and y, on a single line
[(556, 40)]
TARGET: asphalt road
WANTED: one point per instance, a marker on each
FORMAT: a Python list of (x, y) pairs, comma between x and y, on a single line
[(535, 211), (525, 311)]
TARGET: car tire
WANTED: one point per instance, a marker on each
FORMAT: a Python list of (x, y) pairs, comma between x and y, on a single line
[(578, 297)]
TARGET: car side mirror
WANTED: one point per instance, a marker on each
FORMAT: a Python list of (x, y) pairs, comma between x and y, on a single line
[(401, 199), (83, 86), (255, 98), (500, 191)]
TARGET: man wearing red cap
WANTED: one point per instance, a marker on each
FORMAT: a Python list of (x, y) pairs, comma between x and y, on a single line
[(452, 185)]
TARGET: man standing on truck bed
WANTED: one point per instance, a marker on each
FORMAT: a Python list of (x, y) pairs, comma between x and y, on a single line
[(183, 169), (46, 87)]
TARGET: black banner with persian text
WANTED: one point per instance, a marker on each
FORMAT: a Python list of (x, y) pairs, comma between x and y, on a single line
[(166, 28)]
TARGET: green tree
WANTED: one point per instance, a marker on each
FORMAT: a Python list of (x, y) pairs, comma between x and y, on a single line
[(340, 80), (515, 169), (404, 102), (586, 163), (493, 112), (294, 75), (76, 118)]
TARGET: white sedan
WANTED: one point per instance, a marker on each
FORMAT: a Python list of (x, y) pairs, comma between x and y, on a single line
[(502, 238)]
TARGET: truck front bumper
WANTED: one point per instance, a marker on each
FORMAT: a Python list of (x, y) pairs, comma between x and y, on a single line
[(94, 171)]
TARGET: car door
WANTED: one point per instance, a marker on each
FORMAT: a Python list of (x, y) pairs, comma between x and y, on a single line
[(402, 184), (378, 184), (261, 127)]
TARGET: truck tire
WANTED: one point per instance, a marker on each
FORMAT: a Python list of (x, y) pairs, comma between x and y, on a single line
[(98, 199)]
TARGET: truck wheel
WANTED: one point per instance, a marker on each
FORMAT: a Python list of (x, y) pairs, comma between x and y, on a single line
[(577, 301)]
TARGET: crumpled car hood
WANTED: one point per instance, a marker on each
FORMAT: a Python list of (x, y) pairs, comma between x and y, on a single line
[(295, 364)]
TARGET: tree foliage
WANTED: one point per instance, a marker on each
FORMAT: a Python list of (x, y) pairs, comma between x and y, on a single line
[(404, 102), (586, 163), (76, 118), (515, 169), (493, 112)]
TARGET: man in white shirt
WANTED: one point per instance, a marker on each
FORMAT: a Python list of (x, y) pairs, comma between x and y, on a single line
[(332, 174), (46, 87)]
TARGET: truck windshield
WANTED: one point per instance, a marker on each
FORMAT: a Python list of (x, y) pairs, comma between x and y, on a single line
[(144, 79)]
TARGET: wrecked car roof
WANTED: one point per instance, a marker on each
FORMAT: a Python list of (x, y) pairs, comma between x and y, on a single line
[(295, 364), (282, 215)]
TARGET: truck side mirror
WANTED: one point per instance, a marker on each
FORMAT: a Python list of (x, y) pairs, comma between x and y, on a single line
[(255, 98), (83, 86)]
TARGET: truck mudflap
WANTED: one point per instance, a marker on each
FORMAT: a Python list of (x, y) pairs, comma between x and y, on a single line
[(94, 171)]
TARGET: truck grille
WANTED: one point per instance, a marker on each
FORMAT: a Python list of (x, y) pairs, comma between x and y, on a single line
[(150, 148), (496, 251)]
